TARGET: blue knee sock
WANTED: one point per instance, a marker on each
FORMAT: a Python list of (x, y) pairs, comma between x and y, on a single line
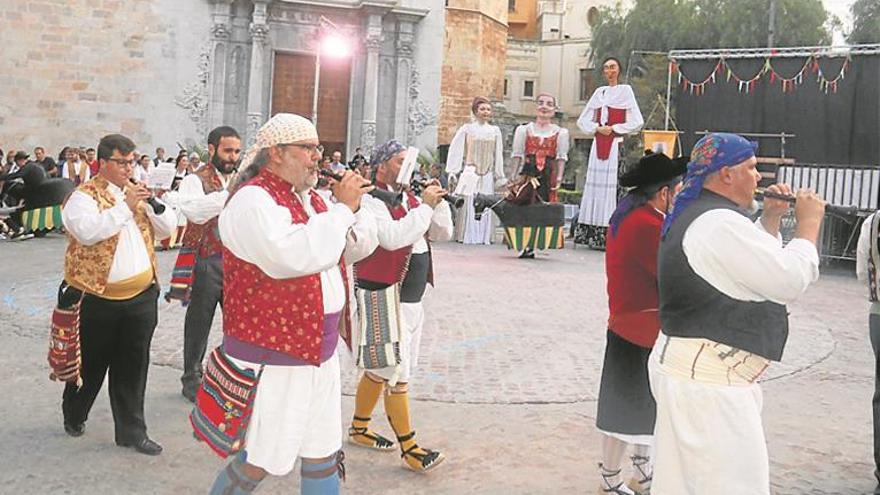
[(322, 478), (232, 481)]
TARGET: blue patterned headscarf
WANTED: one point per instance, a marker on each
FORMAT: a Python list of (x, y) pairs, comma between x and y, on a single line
[(383, 152), (710, 154)]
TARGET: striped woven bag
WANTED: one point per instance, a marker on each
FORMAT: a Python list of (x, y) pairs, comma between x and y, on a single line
[(224, 404), (379, 327)]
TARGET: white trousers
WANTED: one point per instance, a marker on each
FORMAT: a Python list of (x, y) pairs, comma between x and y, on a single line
[(707, 438), (297, 413), (412, 316)]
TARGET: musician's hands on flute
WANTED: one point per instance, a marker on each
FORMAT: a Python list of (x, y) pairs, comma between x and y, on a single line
[(809, 210), (349, 190), (134, 194), (433, 195), (775, 208)]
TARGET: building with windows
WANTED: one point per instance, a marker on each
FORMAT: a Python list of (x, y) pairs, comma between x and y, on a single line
[(177, 68)]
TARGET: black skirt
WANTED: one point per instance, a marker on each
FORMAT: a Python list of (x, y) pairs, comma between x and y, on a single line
[(626, 405)]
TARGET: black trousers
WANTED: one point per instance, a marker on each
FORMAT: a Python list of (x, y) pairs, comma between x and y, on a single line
[(115, 339), (207, 293), (874, 329)]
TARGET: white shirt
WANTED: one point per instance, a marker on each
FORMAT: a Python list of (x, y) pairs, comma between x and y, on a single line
[(410, 230), (338, 167), (260, 231), (619, 96), (863, 248), (743, 261), (521, 132), (197, 206), (76, 167), (89, 226)]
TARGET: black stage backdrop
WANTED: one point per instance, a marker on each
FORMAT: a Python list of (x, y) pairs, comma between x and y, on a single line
[(836, 128)]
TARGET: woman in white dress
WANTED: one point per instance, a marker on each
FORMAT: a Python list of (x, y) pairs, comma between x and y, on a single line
[(478, 148), (611, 113)]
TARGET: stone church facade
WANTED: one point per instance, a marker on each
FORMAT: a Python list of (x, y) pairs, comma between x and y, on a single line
[(166, 71)]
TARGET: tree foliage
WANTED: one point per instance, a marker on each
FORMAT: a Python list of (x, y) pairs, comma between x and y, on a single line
[(664, 25), (866, 22)]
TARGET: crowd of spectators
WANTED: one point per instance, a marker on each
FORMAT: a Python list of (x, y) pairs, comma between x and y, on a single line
[(20, 170)]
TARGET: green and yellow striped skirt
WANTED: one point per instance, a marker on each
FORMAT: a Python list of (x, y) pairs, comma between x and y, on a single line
[(42, 219), (539, 226), (519, 238)]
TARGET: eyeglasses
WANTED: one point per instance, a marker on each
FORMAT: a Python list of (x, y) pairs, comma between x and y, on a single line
[(313, 148), (122, 162)]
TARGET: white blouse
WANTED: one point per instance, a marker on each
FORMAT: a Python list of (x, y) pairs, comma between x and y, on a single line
[(619, 96), (455, 158), (519, 139)]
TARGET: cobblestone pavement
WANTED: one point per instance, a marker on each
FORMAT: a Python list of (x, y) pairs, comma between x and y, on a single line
[(506, 387)]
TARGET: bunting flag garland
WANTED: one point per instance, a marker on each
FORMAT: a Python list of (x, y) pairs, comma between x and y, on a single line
[(788, 84)]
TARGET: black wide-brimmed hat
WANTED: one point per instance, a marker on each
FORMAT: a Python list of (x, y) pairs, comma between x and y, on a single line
[(653, 169)]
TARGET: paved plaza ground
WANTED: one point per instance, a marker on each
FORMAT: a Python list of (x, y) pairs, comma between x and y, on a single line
[(506, 387)]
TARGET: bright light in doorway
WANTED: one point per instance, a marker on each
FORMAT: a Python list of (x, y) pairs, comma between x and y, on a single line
[(335, 46)]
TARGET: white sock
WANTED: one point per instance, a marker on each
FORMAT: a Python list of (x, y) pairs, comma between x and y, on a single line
[(612, 455)]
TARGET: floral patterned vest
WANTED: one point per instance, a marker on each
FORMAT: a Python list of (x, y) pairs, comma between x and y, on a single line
[(284, 315), (88, 267), (205, 238)]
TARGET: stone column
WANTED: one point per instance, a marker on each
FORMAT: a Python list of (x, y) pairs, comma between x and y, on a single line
[(404, 61), (373, 44), (259, 31), (220, 32)]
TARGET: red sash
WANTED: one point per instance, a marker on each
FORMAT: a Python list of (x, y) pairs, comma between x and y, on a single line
[(603, 142)]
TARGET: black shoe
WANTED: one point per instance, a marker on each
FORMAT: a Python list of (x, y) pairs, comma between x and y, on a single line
[(75, 430), (190, 392), (144, 446), (527, 254)]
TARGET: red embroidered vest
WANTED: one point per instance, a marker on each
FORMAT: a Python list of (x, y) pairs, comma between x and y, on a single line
[(285, 315), (603, 142), (542, 148), (384, 266), (205, 238)]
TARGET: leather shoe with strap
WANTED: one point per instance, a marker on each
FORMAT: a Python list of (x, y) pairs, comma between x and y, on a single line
[(144, 446)]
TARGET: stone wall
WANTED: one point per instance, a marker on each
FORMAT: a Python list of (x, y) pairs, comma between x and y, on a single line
[(473, 65), (74, 70)]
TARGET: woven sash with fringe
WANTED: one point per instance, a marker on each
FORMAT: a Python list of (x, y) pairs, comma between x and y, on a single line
[(379, 327), (224, 404), (182, 276)]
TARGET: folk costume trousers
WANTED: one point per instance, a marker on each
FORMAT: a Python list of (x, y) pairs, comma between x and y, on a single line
[(207, 293), (115, 337)]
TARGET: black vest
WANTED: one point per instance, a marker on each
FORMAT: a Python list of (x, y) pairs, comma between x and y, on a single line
[(691, 307)]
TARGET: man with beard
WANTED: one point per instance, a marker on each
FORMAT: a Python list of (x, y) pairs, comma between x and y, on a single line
[(286, 306), (197, 280)]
